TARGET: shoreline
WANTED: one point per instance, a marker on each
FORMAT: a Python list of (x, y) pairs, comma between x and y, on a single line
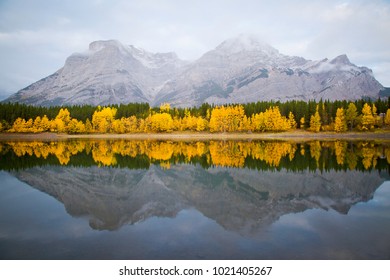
[(202, 136)]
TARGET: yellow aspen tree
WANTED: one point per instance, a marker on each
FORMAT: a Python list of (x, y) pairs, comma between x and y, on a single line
[(88, 126), (130, 124), (226, 119), (387, 117), (368, 119), (274, 121), (377, 119), (61, 121), (340, 124), (315, 122), (245, 124), (177, 124), (37, 125), (291, 120), (165, 108), (351, 115), (118, 127), (75, 126), (218, 122), (258, 122), (45, 123), (302, 123), (161, 122), (102, 120), (18, 125), (201, 124)]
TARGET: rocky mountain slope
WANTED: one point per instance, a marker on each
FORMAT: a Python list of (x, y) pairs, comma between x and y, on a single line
[(239, 70)]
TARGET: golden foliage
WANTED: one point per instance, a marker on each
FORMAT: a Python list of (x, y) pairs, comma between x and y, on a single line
[(340, 124), (217, 153), (102, 120), (272, 120), (226, 118), (315, 150), (315, 122), (340, 148), (161, 122), (368, 120), (226, 154), (387, 117)]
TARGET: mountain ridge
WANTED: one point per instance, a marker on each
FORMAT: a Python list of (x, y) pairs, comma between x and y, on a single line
[(240, 200), (239, 70)]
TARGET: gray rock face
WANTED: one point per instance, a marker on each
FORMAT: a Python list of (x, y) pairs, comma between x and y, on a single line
[(239, 70), (240, 200)]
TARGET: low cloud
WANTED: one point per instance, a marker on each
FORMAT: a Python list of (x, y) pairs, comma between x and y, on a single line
[(37, 37)]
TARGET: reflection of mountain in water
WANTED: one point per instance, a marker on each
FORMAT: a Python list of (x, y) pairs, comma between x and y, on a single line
[(240, 200)]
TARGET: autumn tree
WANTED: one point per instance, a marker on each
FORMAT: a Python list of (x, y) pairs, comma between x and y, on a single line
[(226, 118), (302, 123), (131, 124), (387, 117), (340, 124), (165, 108), (201, 124), (368, 119), (274, 121), (351, 115), (45, 123), (75, 126), (18, 125), (88, 126), (103, 119), (315, 122), (291, 120), (161, 122), (271, 120)]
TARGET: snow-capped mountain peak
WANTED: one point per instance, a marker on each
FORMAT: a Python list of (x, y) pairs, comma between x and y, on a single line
[(239, 70), (246, 43)]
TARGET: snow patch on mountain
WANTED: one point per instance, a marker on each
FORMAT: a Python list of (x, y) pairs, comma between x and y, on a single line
[(239, 70)]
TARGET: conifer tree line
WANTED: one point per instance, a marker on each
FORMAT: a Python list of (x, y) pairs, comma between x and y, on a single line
[(338, 116)]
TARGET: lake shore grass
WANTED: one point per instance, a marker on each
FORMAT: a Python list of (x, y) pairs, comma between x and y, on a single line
[(296, 135)]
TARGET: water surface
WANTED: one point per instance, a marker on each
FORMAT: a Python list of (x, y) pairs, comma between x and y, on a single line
[(194, 200)]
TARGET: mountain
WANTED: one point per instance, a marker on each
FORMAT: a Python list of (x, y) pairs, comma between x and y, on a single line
[(240, 200), (239, 70), (107, 73)]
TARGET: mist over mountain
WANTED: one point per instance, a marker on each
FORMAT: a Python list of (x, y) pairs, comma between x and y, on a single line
[(239, 70)]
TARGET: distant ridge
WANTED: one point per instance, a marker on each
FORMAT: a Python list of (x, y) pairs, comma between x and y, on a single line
[(239, 70)]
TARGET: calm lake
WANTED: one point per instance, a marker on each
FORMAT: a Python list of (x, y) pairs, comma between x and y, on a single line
[(119, 199)]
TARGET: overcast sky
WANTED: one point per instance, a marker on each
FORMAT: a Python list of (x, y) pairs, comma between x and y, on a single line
[(37, 36)]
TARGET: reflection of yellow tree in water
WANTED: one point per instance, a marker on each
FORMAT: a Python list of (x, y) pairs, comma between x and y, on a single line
[(226, 154), (234, 153), (191, 150), (62, 150), (368, 153), (340, 148), (273, 152), (160, 150), (218, 153), (315, 151), (351, 160), (102, 153)]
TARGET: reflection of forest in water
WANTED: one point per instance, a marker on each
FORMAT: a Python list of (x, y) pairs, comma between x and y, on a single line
[(243, 186), (261, 155)]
